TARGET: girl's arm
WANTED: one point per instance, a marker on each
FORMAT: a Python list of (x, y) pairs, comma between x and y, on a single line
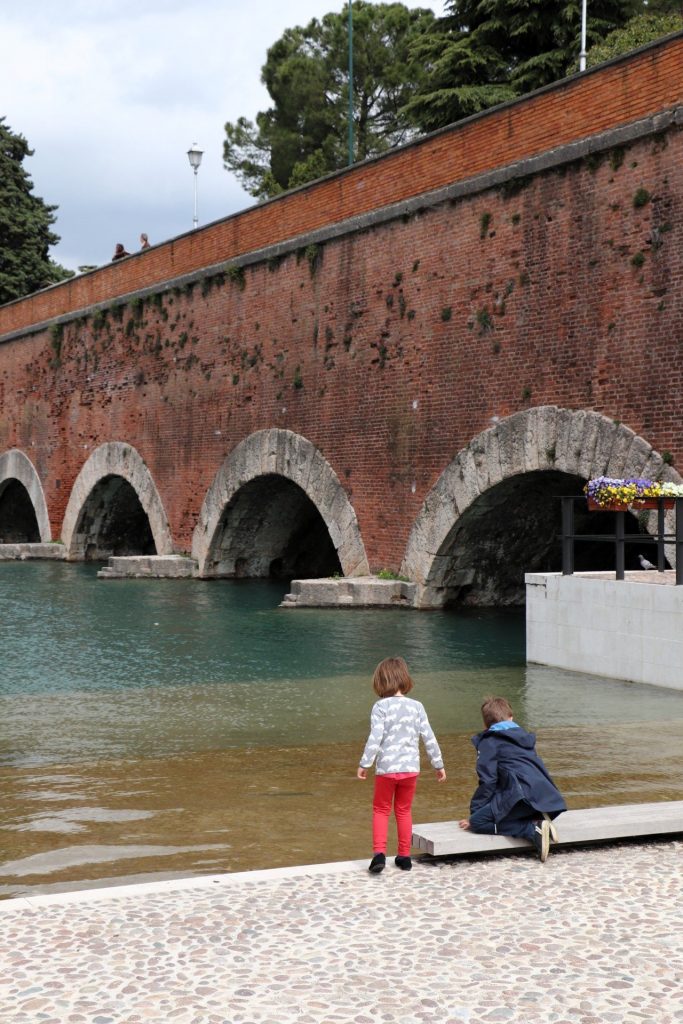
[(429, 740), (375, 737)]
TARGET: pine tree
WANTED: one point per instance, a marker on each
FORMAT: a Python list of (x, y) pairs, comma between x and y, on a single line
[(658, 21), (25, 221), (484, 52), (304, 134)]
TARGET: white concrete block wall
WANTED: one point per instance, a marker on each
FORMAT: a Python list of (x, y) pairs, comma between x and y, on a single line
[(606, 627)]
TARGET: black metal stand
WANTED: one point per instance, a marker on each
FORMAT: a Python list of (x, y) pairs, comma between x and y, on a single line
[(621, 538)]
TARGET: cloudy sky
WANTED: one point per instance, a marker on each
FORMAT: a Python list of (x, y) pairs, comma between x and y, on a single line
[(111, 94)]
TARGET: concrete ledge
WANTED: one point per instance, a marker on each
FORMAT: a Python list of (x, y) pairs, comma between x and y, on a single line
[(24, 552), (352, 592), (122, 567), (590, 825)]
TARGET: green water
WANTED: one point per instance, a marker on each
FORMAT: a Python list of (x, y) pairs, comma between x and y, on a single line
[(156, 728)]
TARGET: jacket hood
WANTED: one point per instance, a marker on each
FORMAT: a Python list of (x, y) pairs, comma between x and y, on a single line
[(518, 737)]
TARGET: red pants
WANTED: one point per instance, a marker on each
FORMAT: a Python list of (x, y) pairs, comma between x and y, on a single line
[(401, 791)]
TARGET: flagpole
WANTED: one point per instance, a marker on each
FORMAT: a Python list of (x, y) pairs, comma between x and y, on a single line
[(582, 55), (350, 82)]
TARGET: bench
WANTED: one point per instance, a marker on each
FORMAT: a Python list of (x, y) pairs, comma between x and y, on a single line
[(590, 825)]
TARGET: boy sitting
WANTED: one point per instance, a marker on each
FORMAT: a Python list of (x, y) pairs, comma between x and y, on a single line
[(515, 795)]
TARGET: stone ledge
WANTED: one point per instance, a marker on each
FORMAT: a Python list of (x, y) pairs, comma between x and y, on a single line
[(24, 552), (590, 825), (351, 592), (122, 567)]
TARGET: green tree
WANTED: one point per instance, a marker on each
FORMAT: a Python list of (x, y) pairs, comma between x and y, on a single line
[(642, 29), (484, 52), (25, 221), (304, 133)]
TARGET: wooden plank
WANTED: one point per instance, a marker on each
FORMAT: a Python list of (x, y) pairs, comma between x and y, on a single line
[(589, 825)]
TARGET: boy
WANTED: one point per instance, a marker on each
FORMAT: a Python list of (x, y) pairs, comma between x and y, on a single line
[(515, 795)]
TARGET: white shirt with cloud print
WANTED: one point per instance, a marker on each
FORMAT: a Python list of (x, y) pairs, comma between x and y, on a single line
[(396, 725)]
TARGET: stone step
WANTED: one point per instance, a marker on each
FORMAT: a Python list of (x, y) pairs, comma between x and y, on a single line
[(589, 825)]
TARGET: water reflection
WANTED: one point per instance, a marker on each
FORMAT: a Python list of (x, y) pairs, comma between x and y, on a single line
[(153, 729)]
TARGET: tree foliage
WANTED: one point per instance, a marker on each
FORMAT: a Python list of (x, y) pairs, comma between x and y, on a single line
[(642, 29), (25, 222), (484, 52), (304, 133)]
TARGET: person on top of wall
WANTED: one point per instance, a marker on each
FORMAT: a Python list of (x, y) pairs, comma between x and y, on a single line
[(144, 241), (119, 252)]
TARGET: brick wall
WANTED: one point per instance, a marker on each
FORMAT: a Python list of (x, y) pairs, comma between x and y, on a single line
[(388, 348)]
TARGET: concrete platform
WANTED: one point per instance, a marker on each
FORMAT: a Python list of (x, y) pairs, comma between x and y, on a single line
[(626, 629), (590, 825)]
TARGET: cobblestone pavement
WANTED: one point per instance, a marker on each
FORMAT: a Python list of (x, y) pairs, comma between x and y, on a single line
[(594, 936)]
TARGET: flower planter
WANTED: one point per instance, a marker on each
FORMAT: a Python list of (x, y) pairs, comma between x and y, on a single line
[(637, 505)]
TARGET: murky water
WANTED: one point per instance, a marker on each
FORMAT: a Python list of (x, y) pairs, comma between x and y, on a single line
[(160, 728)]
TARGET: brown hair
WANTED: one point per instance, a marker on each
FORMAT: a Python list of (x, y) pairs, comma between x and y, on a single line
[(391, 677), (495, 709)]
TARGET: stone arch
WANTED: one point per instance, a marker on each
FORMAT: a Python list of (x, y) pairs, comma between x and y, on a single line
[(282, 458), (111, 473), (579, 444), (18, 474)]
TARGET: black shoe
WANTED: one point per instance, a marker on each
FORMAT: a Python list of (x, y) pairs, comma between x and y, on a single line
[(377, 863), (404, 863), (541, 839)]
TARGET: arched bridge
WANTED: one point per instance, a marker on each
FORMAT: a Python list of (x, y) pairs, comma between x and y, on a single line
[(400, 366)]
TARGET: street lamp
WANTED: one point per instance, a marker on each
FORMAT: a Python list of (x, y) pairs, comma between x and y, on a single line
[(194, 155), (350, 124)]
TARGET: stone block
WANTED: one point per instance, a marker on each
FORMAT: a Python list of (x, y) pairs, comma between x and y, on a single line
[(359, 592), (26, 552), (122, 567)]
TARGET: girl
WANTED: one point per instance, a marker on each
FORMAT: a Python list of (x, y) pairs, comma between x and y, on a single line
[(396, 723)]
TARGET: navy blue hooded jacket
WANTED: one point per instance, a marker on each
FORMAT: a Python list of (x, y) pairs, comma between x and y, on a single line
[(510, 770)]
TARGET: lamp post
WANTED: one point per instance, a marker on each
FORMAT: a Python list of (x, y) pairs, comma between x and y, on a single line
[(194, 155), (582, 55)]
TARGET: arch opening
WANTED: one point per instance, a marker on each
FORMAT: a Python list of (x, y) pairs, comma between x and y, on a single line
[(513, 528), (270, 528), (18, 520), (112, 522)]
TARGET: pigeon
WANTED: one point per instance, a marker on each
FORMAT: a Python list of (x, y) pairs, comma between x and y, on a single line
[(644, 564)]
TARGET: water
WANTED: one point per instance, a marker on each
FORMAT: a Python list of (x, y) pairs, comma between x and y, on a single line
[(159, 728)]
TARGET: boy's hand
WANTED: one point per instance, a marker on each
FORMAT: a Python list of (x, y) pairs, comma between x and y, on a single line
[(362, 773), (464, 823), (440, 774)]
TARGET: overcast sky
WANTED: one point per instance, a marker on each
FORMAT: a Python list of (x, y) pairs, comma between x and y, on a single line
[(111, 94)]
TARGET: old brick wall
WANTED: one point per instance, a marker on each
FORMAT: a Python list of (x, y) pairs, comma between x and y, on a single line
[(389, 347)]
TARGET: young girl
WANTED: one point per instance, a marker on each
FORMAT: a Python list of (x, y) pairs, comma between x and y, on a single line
[(396, 724)]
